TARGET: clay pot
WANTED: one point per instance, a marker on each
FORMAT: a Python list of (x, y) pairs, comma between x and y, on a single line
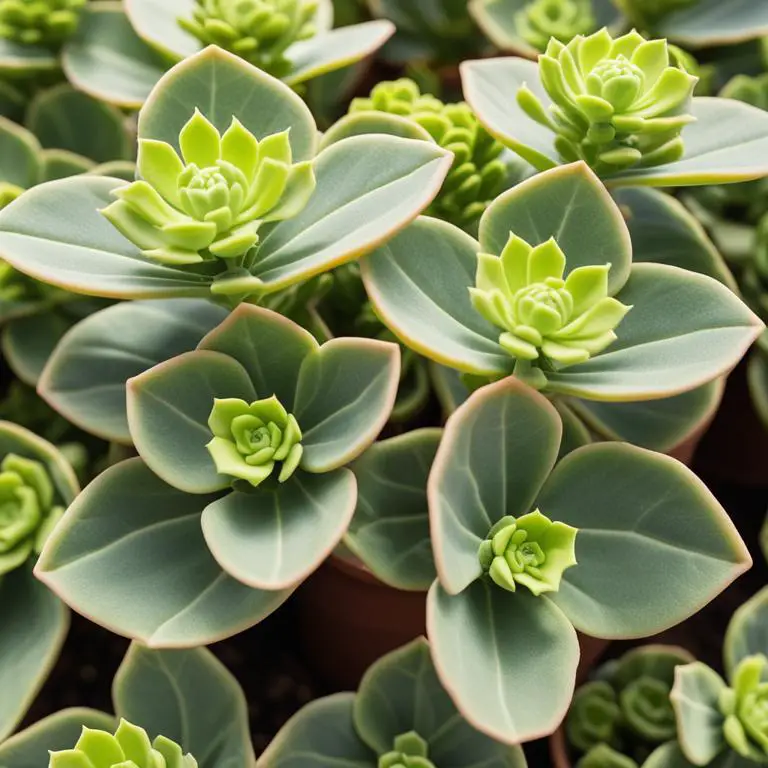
[(348, 619), (558, 749)]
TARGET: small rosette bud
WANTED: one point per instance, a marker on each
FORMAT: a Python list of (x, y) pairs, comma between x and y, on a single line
[(617, 104), (45, 23), (647, 709), (530, 550), (524, 293), (604, 756), (594, 716), (745, 707), (478, 174), (212, 204), (249, 440), (130, 747), (563, 20), (27, 510), (259, 31), (410, 751)]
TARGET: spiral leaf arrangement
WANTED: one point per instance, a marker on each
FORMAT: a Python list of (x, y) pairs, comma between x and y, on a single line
[(647, 710), (477, 175), (211, 204), (530, 550), (617, 104), (27, 510), (745, 707), (250, 439), (258, 30), (562, 20), (46, 23), (594, 716), (410, 751), (130, 747)]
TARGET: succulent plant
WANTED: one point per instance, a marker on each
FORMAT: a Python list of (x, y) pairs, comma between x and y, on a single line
[(594, 716), (745, 708), (44, 23), (409, 751), (539, 21)]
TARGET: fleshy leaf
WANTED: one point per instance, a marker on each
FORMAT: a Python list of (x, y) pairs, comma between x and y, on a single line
[(747, 633)]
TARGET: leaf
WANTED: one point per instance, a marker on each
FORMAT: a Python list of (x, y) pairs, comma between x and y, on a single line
[(714, 23), (60, 164), (659, 425), (390, 529), (419, 284), (64, 118), (222, 86), (694, 698), (107, 59), (449, 387), (56, 234), (747, 632), (345, 393), (34, 625), (269, 346), (570, 204), (19, 150), (368, 189), (20, 60), (401, 692), (668, 755), (322, 735), (29, 341), (366, 123), (274, 539), (130, 555), (168, 410), (497, 451), (490, 87), (329, 51), (653, 546), (29, 748), (86, 375), (507, 659), (683, 331), (664, 232), (189, 697), (157, 24)]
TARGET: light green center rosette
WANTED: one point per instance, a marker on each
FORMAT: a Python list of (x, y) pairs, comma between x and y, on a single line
[(249, 440), (542, 315), (531, 551), (45, 23), (213, 203), (410, 751), (258, 30), (27, 510), (563, 20), (130, 747), (617, 104), (745, 707), (477, 176)]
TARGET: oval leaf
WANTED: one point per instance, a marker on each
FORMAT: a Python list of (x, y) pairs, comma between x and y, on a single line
[(712, 22), (28, 343), (19, 151), (157, 23)]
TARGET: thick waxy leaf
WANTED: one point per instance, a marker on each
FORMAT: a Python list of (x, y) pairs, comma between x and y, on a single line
[(17, 59), (497, 451), (29, 748), (108, 60), (168, 411), (130, 555), (261, 103), (572, 205), (190, 697), (19, 150), (659, 425), (710, 22), (64, 118), (699, 721), (85, 377), (269, 346), (757, 379), (683, 331), (60, 164), (322, 735), (419, 283), (664, 232), (366, 123), (368, 188), (508, 660), (56, 234), (336, 49), (28, 343), (274, 539), (390, 529), (345, 393), (34, 625), (402, 692), (670, 551), (671, 756), (747, 632)]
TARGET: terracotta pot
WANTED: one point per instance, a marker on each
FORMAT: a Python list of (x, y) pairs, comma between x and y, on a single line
[(558, 749), (348, 619)]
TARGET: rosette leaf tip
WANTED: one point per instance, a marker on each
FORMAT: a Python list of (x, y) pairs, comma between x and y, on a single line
[(410, 750), (531, 550), (745, 709), (210, 202), (251, 439), (546, 318)]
